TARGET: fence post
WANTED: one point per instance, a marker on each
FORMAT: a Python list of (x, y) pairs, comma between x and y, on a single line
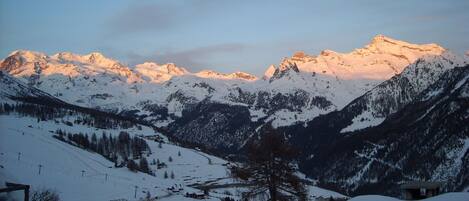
[(135, 194)]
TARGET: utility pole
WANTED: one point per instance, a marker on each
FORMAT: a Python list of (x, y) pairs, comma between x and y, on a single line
[(40, 166), (135, 194)]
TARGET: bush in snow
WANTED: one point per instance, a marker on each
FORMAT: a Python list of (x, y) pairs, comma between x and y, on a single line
[(45, 195), (132, 166)]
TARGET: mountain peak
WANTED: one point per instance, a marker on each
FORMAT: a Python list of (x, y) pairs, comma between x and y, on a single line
[(96, 55), (27, 54), (284, 68), (216, 75), (386, 44), (380, 38), (381, 59), (242, 75)]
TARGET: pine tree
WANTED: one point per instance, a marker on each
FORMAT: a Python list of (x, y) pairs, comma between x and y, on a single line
[(165, 174), (172, 175), (179, 153), (143, 164), (170, 159)]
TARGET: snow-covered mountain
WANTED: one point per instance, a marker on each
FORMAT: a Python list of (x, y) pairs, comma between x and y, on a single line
[(427, 139), (382, 58), (393, 94), (98, 82), (326, 105), (34, 152), (299, 89), (12, 89)]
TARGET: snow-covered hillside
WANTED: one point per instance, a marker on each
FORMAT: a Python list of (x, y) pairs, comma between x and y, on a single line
[(443, 197), (30, 155), (11, 88), (62, 164)]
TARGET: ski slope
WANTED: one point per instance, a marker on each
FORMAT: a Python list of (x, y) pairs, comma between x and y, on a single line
[(77, 174), (62, 164)]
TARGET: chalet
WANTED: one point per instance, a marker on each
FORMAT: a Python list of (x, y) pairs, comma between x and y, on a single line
[(196, 196), (416, 190), (156, 138)]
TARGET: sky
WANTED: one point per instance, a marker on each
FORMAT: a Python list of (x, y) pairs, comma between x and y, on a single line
[(225, 36)]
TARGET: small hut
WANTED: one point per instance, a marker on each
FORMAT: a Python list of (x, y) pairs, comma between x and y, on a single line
[(416, 190)]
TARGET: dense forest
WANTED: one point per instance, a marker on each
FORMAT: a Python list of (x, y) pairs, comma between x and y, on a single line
[(45, 113)]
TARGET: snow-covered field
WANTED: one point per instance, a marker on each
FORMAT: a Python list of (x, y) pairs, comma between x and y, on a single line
[(442, 197), (62, 164), (77, 174)]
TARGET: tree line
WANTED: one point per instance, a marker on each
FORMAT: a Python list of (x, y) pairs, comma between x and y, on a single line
[(122, 149), (45, 113)]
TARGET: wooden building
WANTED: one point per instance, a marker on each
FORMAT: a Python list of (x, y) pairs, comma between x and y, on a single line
[(416, 190)]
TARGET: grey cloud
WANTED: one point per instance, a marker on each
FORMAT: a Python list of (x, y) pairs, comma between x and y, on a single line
[(141, 17)]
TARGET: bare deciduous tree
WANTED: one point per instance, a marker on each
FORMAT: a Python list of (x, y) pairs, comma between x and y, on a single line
[(271, 170)]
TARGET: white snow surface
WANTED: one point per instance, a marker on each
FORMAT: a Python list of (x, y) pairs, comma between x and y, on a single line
[(362, 121), (442, 197)]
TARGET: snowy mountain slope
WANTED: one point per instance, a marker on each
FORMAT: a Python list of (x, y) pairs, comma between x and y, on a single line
[(382, 58), (98, 82), (370, 109), (159, 73), (320, 84), (11, 89), (393, 94), (303, 87), (424, 140)]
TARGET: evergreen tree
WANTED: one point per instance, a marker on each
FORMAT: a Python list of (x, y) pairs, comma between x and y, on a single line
[(170, 159), (144, 165), (165, 174), (172, 175)]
